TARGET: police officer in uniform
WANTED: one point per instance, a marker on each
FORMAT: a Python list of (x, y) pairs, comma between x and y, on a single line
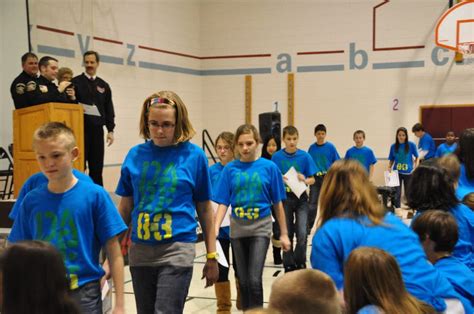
[(46, 89), (94, 91), (24, 85)]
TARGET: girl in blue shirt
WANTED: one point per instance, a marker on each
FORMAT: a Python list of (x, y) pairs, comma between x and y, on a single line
[(163, 183), (465, 154), (270, 146), (252, 186), (433, 189), (373, 280), (352, 216), (403, 157), (225, 151)]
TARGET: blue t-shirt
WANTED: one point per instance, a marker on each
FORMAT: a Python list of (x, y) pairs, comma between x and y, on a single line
[(461, 277), (338, 237), (426, 143), (445, 149), (251, 188), (165, 183), (465, 185), (464, 249), (364, 155), (324, 156), (36, 180), (78, 223), (300, 160), (215, 173), (403, 161)]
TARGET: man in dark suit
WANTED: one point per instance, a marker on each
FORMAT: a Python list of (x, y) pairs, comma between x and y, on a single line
[(93, 91)]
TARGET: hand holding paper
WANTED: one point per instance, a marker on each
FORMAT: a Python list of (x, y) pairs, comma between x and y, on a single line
[(298, 187)]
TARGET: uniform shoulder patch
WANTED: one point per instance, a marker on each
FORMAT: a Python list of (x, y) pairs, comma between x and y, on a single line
[(20, 88), (30, 86)]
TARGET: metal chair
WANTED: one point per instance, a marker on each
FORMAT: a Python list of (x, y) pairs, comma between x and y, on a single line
[(6, 174)]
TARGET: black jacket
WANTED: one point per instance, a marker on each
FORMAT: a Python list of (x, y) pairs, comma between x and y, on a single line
[(98, 93), (23, 89)]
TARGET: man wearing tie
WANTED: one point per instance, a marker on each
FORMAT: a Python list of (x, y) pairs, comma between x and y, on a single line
[(94, 91)]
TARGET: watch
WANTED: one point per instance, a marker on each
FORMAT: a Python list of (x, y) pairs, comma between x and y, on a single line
[(212, 255)]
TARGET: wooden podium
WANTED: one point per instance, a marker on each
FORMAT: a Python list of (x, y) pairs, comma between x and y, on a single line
[(26, 121)]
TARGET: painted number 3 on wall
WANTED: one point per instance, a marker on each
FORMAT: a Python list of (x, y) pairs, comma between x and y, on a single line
[(159, 226)]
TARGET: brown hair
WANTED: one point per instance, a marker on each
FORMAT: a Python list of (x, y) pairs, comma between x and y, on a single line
[(183, 131), (347, 191), (290, 130), (373, 277), (35, 280), (52, 130), (245, 129), (62, 71), (468, 200), (227, 137), (305, 291), (359, 132), (441, 228), (450, 163)]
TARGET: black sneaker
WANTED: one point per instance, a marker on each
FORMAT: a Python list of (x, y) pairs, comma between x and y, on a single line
[(290, 268)]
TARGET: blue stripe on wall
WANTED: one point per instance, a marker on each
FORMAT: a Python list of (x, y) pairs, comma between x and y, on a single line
[(320, 68), (167, 68), (236, 71), (111, 59), (398, 65), (62, 52), (175, 69)]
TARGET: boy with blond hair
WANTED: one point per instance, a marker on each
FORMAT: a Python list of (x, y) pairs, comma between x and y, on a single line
[(77, 217)]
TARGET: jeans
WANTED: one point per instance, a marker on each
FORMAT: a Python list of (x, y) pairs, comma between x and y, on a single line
[(89, 298), (250, 256), (313, 200), (405, 179), (275, 226), (296, 212), (224, 271), (160, 289)]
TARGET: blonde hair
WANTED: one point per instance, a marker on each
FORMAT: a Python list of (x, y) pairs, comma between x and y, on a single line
[(347, 192), (373, 277), (183, 131), (63, 71), (53, 130), (451, 164), (305, 291)]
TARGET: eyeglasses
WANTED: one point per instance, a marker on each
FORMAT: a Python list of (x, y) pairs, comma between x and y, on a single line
[(165, 126), (226, 148)]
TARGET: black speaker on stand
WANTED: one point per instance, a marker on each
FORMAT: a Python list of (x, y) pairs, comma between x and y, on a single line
[(269, 123)]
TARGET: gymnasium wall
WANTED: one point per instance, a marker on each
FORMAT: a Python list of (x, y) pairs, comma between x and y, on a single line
[(350, 73)]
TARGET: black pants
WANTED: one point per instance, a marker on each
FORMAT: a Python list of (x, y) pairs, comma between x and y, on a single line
[(94, 151), (224, 271), (313, 200)]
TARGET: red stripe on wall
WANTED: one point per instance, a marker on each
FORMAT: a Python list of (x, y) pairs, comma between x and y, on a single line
[(319, 52), (108, 40), (55, 30)]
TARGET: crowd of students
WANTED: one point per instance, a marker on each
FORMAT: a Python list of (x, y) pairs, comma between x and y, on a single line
[(364, 259)]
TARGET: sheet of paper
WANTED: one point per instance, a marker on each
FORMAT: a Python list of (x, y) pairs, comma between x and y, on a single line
[(90, 110), (226, 221), (391, 178), (221, 260), (298, 187), (105, 289)]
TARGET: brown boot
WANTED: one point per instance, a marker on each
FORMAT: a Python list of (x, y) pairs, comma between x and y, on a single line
[(223, 297), (238, 302)]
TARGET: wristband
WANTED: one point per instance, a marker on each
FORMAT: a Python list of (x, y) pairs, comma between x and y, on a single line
[(212, 255)]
